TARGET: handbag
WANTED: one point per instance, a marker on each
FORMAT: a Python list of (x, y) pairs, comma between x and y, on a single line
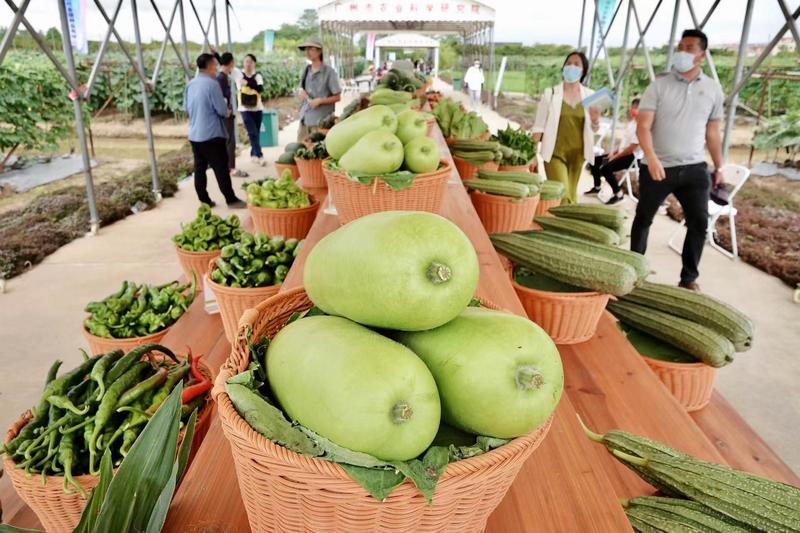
[(249, 97)]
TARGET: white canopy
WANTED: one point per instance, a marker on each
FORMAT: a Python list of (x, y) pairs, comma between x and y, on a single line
[(407, 40)]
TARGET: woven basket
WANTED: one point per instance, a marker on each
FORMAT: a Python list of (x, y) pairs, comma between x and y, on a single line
[(690, 383), (280, 167), (568, 317), (311, 172), (98, 345), (521, 168), (196, 262), (284, 492), (354, 199), (233, 302), (291, 223), (59, 512), (503, 214), (468, 171), (543, 208)]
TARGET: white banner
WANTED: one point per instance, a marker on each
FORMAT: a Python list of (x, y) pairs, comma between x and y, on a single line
[(405, 10), (76, 19), (370, 55)]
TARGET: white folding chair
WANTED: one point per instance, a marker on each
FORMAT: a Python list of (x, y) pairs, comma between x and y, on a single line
[(736, 175), (626, 178)]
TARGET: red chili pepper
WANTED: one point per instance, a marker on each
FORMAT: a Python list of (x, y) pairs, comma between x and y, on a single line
[(195, 367), (193, 391)]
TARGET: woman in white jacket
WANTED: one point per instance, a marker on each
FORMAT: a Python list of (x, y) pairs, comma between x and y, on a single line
[(561, 125)]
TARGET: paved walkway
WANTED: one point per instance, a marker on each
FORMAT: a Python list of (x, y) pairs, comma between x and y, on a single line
[(42, 310)]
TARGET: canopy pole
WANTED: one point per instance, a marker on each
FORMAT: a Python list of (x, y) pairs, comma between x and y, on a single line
[(228, 24), (94, 221), (184, 43), (612, 136), (583, 18), (737, 76), (148, 125), (672, 32)]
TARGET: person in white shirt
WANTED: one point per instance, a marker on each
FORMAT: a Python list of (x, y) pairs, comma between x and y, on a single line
[(607, 164), (473, 79)]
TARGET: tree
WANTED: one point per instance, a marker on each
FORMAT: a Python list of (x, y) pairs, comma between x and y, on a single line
[(308, 21)]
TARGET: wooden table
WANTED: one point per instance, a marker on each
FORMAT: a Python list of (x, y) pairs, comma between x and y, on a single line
[(568, 484)]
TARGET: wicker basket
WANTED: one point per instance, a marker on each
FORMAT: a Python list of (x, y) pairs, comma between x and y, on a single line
[(233, 302), (196, 262), (468, 171), (503, 214), (280, 167), (354, 199), (98, 345), (59, 512), (543, 208), (311, 173), (568, 317), (291, 223), (284, 492), (690, 383)]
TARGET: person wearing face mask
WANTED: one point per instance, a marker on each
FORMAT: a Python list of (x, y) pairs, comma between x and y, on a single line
[(319, 89), (565, 128), (607, 164), (679, 115), (473, 79)]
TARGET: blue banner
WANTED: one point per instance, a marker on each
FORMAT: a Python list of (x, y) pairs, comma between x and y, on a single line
[(76, 20), (269, 40)]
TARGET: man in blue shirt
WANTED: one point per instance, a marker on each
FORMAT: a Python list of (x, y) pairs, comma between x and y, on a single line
[(206, 107)]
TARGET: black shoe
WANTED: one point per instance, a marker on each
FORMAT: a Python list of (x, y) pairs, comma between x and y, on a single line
[(691, 285), (211, 203), (592, 192), (236, 204), (614, 199)]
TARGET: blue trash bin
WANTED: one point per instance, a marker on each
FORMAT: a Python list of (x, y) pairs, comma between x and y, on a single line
[(268, 135)]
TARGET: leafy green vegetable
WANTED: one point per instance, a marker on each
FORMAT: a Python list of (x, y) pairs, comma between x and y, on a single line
[(520, 147), (316, 151), (397, 181), (255, 260), (425, 473), (457, 123), (208, 231), (379, 482)]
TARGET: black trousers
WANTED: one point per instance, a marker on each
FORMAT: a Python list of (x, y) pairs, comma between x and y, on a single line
[(603, 168), (690, 184), (230, 142), (214, 154)]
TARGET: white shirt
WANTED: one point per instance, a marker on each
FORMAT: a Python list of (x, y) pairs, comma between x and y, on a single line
[(474, 78), (629, 138), (548, 114)]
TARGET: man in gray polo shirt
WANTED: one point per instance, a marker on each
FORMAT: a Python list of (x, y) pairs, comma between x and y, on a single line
[(678, 116), (319, 89)]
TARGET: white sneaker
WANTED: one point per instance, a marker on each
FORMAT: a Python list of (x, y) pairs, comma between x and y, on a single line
[(254, 160), (261, 161)]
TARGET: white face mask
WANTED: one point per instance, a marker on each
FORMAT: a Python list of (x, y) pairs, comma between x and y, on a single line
[(683, 61)]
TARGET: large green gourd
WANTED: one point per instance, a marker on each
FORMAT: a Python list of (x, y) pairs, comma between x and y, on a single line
[(396, 269), (354, 387), (378, 152), (498, 374), (347, 132)]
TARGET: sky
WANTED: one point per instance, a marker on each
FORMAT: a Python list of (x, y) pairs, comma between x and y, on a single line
[(531, 21)]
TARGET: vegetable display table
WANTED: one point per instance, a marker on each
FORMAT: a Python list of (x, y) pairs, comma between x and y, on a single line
[(568, 484)]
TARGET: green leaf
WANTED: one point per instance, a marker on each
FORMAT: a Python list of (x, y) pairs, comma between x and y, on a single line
[(159, 514), (96, 498), (337, 454), (6, 528), (426, 473), (145, 471), (268, 420), (379, 482)]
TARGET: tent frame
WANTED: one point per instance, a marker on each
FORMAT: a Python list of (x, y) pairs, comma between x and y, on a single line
[(82, 92), (740, 76)]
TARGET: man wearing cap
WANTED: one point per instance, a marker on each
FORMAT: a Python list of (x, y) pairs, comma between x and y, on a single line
[(319, 89)]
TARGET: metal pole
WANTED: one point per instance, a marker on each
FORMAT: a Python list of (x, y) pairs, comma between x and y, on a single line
[(139, 70), (146, 105), (184, 43), (760, 59), (583, 16), (740, 57), (605, 33), (216, 26), (228, 24), (167, 38), (12, 29), (492, 101), (647, 61), (620, 79), (69, 78), (168, 32), (789, 20), (101, 52), (591, 42), (673, 30), (87, 164), (708, 15), (709, 57)]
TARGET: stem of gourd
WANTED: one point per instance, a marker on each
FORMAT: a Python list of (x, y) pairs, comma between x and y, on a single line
[(528, 377), (401, 412), (438, 273), (589, 433), (627, 458)]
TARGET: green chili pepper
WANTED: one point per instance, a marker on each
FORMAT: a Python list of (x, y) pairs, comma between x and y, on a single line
[(66, 456), (128, 438), (122, 365), (110, 398), (53, 372), (59, 386), (99, 370), (134, 393), (176, 374), (64, 403)]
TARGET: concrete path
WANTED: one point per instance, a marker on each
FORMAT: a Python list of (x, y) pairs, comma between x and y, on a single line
[(42, 310)]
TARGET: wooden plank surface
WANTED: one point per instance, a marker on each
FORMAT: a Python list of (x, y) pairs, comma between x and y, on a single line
[(569, 484)]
